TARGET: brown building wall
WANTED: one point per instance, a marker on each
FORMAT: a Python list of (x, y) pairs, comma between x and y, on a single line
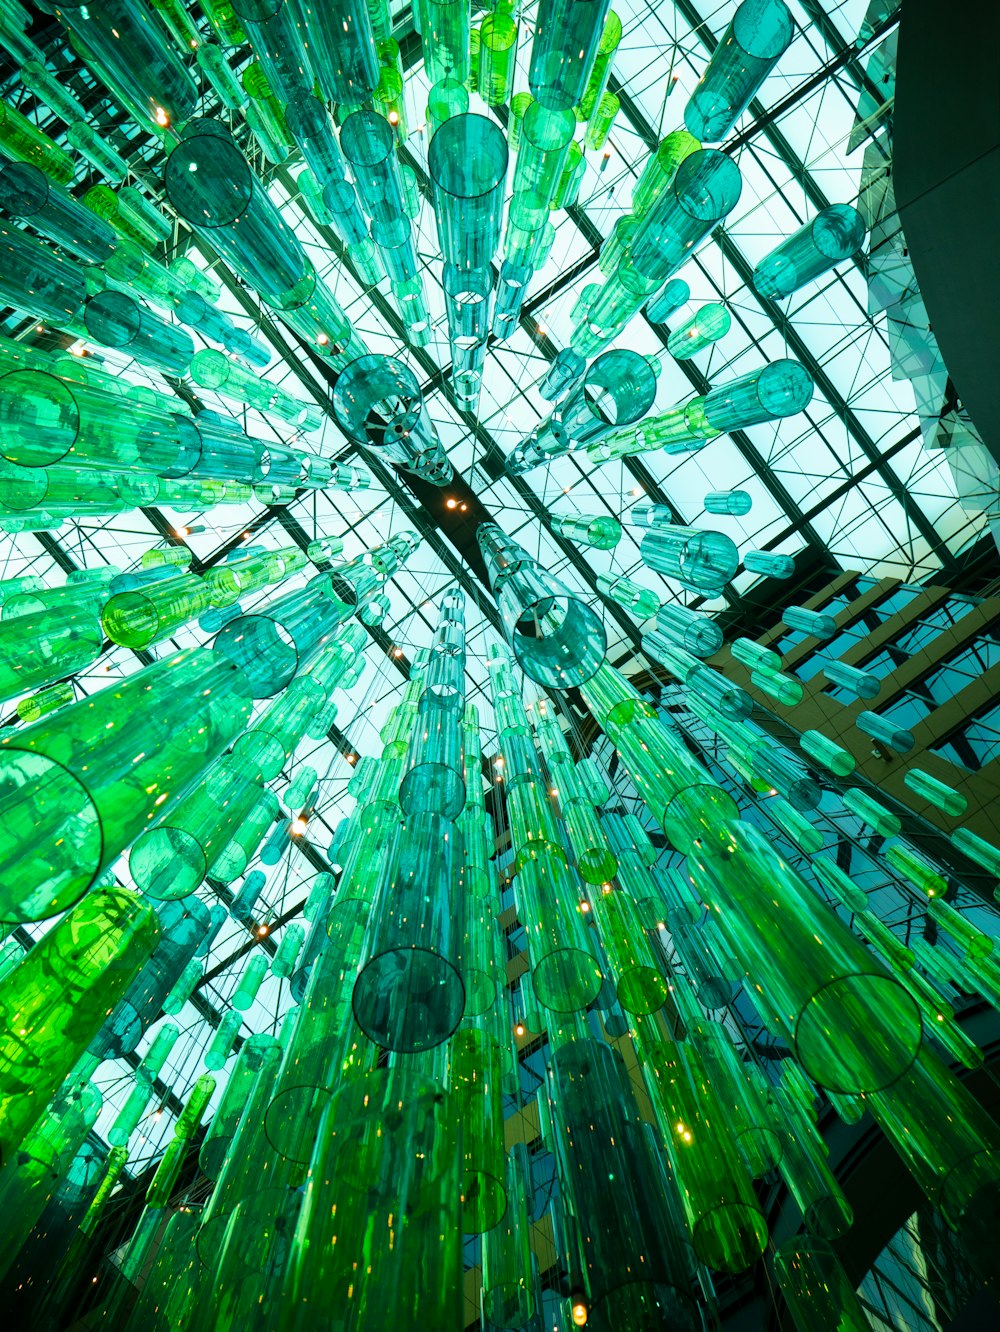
[(819, 711)]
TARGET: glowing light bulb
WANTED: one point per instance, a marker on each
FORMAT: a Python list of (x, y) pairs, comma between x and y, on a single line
[(579, 1314)]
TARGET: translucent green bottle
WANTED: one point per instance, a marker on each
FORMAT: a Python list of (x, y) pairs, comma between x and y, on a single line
[(882, 730), (824, 751), (635, 964), (27, 192), (815, 623), (744, 1094), (600, 531), (869, 811), (24, 142), (826, 240), (449, 97), (805, 1171), (48, 89), (716, 1192), (818, 1292), (373, 1167), (125, 44), (819, 979), (756, 39), (641, 601), (920, 872), (843, 888), (250, 981), (565, 46), (36, 648), (221, 1045), (946, 1139), (508, 1288), (618, 1241), (977, 849), (55, 1001), (602, 122), (171, 860), (565, 972), (42, 1162), (409, 994), (937, 793), (98, 793), (860, 683), (475, 1072)]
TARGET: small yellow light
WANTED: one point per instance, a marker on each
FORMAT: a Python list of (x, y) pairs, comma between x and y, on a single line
[(579, 1313), (322, 339), (397, 652), (393, 117), (262, 932), (298, 827), (162, 118), (519, 1029), (584, 907), (450, 504)]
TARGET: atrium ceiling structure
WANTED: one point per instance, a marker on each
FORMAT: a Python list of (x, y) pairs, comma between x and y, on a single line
[(855, 480)]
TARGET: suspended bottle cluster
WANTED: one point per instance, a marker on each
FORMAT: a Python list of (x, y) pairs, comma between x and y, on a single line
[(346, 1156)]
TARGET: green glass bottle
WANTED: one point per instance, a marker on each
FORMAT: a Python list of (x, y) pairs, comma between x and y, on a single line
[(497, 53), (617, 1239), (936, 793), (171, 860), (824, 751), (566, 44), (869, 811), (843, 888), (716, 1192), (475, 1072), (977, 849), (326, 1047), (634, 961), (918, 871), (641, 601), (565, 972), (744, 1094)]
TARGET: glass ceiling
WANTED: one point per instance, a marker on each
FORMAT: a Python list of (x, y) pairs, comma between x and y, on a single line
[(848, 480)]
